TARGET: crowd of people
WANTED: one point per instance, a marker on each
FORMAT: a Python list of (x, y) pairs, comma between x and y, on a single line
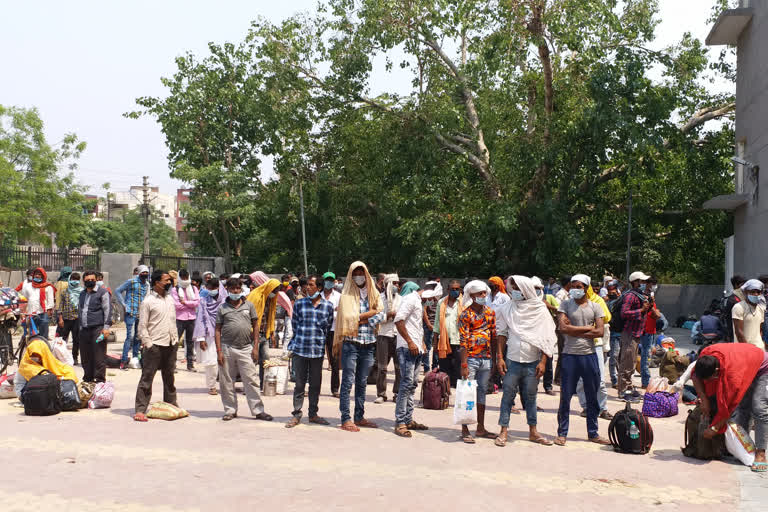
[(501, 333)]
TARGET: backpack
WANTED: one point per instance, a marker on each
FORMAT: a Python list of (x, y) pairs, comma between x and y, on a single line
[(619, 432), (42, 395), (697, 446), (70, 396), (435, 390), (617, 322)]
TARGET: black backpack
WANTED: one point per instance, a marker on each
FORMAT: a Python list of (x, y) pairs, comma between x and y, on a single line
[(619, 432), (42, 395), (696, 445), (617, 322)]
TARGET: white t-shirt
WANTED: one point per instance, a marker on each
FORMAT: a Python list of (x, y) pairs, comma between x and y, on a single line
[(498, 300), (410, 311), (517, 349), (33, 298), (333, 299), (752, 316), (387, 327)]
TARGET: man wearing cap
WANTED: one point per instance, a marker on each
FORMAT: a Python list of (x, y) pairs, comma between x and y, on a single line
[(749, 315), (634, 310), (331, 295), (130, 295)]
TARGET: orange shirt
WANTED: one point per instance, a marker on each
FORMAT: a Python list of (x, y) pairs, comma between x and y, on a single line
[(477, 331)]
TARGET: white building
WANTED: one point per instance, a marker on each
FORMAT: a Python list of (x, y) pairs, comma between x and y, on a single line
[(164, 204)]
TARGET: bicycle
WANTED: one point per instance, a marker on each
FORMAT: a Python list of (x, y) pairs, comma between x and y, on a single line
[(8, 327)]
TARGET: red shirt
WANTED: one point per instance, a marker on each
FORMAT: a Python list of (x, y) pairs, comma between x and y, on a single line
[(650, 324)]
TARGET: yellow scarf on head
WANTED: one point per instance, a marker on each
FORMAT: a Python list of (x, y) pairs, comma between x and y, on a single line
[(259, 297), (38, 349), (348, 312)]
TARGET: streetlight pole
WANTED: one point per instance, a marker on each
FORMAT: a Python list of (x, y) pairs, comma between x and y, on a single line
[(303, 230), (629, 234)]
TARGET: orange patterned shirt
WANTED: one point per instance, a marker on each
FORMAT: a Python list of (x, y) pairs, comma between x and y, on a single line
[(477, 331)]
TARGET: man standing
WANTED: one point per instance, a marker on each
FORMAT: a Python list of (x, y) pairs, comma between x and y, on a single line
[(552, 306), (237, 346), (634, 309), (332, 295), (95, 313), (410, 347), (613, 297), (312, 320), (186, 299), (562, 295), (385, 341), (67, 304), (360, 310), (446, 333), (40, 300), (130, 294), (749, 315), (581, 321), (477, 332), (649, 333), (600, 345), (430, 310), (157, 331), (734, 298)]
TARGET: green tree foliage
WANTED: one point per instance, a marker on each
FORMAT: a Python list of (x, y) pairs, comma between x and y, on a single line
[(38, 200), (126, 234), (527, 125)]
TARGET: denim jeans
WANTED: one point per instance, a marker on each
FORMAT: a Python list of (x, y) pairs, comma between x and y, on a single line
[(574, 368), (428, 343), (356, 362), (522, 375), (645, 354), (42, 322), (131, 337), (409, 368), (602, 393), (480, 370), (755, 405), (613, 357)]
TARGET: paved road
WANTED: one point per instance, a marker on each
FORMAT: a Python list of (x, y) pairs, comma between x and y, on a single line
[(101, 460)]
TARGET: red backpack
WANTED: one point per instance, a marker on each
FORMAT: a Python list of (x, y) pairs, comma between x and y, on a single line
[(435, 390)]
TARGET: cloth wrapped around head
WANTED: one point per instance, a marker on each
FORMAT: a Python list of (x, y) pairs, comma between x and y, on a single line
[(498, 282), (408, 288), (752, 284), (390, 290), (348, 312), (529, 319), (474, 287)]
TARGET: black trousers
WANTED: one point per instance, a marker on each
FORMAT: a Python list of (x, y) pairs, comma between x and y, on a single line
[(452, 365), (548, 375), (311, 369), (71, 326), (93, 355), (152, 359), (333, 361), (187, 327)]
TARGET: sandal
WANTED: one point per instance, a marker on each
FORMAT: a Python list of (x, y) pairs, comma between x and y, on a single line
[(541, 440), (318, 420), (599, 440), (467, 438), (514, 410), (559, 441), (140, 416), (402, 431), (229, 417), (486, 435), (364, 423), (263, 417), (349, 427), (501, 443), (416, 426), (293, 422), (760, 467)]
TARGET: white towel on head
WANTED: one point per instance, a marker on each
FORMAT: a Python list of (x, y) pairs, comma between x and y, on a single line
[(752, 284), (474, 287)]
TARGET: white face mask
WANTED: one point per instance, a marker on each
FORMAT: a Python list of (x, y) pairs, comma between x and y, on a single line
[(359, 280), (184, 283)]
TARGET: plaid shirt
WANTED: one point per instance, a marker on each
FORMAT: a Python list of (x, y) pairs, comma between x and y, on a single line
[(366, 333), (310, 327), (134, 291), (67, 309), (633, 315)]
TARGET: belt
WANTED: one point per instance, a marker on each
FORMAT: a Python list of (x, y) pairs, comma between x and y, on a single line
[(359, 344)]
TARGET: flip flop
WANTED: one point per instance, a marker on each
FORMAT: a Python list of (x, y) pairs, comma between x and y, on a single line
[(559, 441), (501, 443), (468, 439), (350, 427), (416, 426), (293, 422), (140, 416), (364, 423), (760, 467), (487, 435), (402, 431), (542, 441), (317, 420)]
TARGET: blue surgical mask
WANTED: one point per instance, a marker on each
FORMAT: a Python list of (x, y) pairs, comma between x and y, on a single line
[(454, 294), (642, 287), (516, 295), (99, 283), (480, 300), (235, 296), (73, 283), (314, 295), (539, 292), (754, 299), (328, 285), (37, 279), (576, 293), (213, 293)]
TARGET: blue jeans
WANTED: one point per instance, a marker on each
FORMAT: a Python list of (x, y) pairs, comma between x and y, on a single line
[(480, 370), (428, 343), (131, 338), (602, 393), (646, 342), (42, 321), (522, 375), (574, 368), (613, 358), (409, 370), (356, 362)]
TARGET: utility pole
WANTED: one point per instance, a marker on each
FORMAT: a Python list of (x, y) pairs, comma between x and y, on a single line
[(303, 232), (629, 234), (145, 208)]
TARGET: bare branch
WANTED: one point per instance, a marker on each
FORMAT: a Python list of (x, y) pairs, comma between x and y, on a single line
[(707, 114)]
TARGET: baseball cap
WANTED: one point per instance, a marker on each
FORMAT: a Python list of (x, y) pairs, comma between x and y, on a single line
[(638, 276), (329, 275)]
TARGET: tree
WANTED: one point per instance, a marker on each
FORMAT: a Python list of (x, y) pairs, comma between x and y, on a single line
[(127, 235), (40, 201)]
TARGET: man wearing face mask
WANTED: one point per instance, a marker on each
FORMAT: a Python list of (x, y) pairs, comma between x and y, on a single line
[(386, 342), (614, 295), (265, 299), (749, 315), (634, 310), (67, 303), (40, 300), (186, 299), (446, 335), (130, 295), (428, 320), (552, 306), (94, 314), (332, 295), (649, 333)]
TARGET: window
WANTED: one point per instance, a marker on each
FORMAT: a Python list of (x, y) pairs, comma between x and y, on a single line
[(739, 171)]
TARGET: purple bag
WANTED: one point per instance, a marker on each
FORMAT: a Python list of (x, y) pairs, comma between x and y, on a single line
[(660, 404)]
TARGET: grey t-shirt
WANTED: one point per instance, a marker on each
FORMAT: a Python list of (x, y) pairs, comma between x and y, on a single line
[(236, 324), (580, 316)]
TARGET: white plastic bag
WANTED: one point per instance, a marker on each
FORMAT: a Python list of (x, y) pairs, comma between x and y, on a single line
[(6, 386), (61, 352), (465, 407), (103, 394), (739, 444), (134, 363)]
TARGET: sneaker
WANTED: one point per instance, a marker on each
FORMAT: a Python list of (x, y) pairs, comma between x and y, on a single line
[(380, 400)]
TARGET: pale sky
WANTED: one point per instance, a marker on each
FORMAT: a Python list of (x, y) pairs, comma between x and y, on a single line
[(82, 64)]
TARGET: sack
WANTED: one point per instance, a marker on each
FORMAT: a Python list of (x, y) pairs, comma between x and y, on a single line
[(673, 365), (739, 444), (660, 404), (85, 391), (435, 390), (165, 411), (465, 410), (61, 352), (281, 374), (6, 386), (696, 445), (42, 395), (111, 361), (628, 438), (103, 394), (70, 398)]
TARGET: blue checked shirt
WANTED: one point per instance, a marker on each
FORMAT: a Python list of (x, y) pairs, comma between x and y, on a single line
[(134, 291), (310, 326), (366, 333)]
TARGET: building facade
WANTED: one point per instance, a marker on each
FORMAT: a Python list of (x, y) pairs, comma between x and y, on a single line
[(164, 204), (182, 197)]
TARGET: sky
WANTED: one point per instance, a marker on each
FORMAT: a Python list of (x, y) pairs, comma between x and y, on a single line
[(83, 64)]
